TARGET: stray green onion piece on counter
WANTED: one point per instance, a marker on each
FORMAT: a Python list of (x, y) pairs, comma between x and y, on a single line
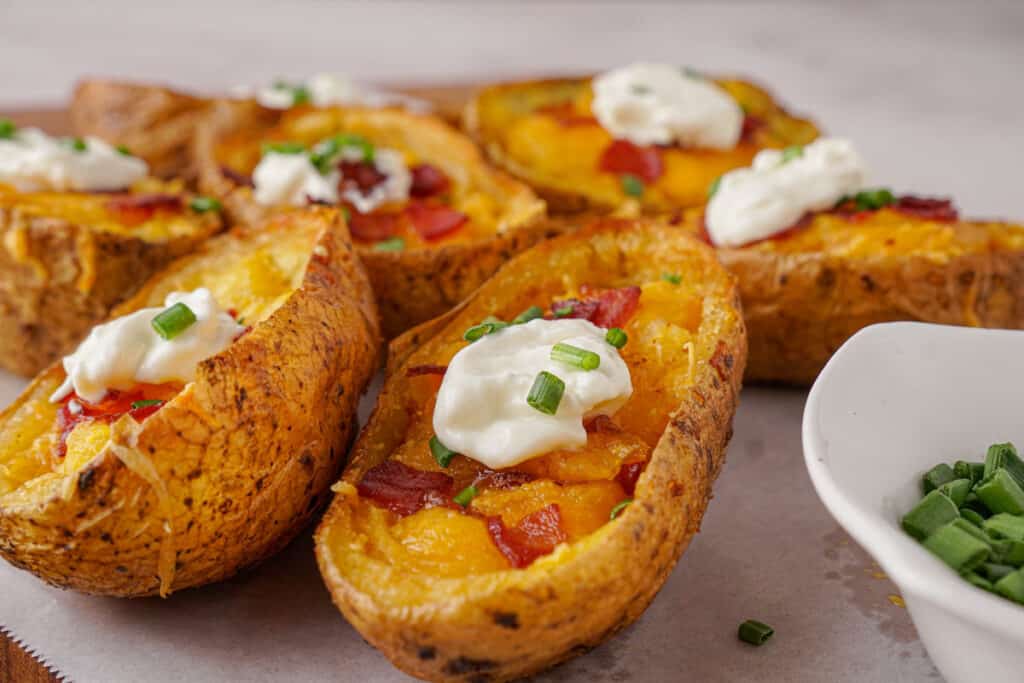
[(616, 337), (442, 454), (755, 632), (172, 321), (632, 185), (617, 510), (531, 313), (392, 244), (204, 204), (465, 496), (546, 393), (575, 356), (146, 403)]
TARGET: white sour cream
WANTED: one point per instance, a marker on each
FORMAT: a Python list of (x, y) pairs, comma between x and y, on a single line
[(395, 188), (659, 104), (772, 194), (481, 408), (292, 179), (32, 161), (326, 90), (126, 351)]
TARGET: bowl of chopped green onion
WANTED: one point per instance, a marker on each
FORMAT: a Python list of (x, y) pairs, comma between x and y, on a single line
[(908, 437)]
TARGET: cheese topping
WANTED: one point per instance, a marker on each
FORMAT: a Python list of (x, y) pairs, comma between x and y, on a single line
[(660, 104), (481, 409), (32, 161), (326, 90), (771, 195), (127, 351)]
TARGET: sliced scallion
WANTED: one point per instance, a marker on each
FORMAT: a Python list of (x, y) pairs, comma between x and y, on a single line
[(957, 548), (755, 632), (932, 512), (172, 321), (1006, 526), (146, 403), (616, 337), (792, 152), (956, 490), (1004, 455), (546, 393), (123, 150), (632, 185), (442, 454), (7, 129), (1001, 493), (283, 148), (713, 188), (465, 496), (583, 359), (870, 200), (619, 507), (1012, 586), (204, 204), (392, 244), (563, 311), (673, 278), (531, 313), (937, 476)]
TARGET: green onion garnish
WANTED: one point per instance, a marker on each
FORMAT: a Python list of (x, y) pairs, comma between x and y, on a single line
[(465, 496), (975, 471), (146, 403), (956, 490), (792, 152), (1003, 525), (870, 200), (937, 476), (283, 148), (204, 204), (531, 313), (77, 144), (546, 393), (442, 454), (1011, 586), (713, 188), (672, 277), (1001, 493), (1004, 455), (980, 581), (619, 507), (575, 356), (7, 129), (972, 517), (325, 152), (755, 632), (300, 95), (632, 186), (123, 150), (393, 244), (490, 325), (957, 548), (171, 322), (929, 514), (564, 311), (616, 337)]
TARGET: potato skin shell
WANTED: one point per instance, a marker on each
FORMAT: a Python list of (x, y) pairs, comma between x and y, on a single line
[(229, 471), (514, 623), (60, 278)]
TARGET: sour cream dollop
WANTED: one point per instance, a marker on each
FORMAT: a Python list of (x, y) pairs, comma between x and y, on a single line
[(481, 409), (326, 90), (33, 161), (126, 351), (772, 194), (660, 104)]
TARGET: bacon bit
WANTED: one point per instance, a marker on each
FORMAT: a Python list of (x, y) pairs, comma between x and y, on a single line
[(623, 156), (134, 209), (601, 424), (566, 115), (433, 221), (374, 227), (535, 535), (721, 361), (114, 405), (428, 180), (417, 370), (403, 489), (610, 308), (628, 475), (751, 126), (359, 175), (504, 479), (928, 208), (240, 179)]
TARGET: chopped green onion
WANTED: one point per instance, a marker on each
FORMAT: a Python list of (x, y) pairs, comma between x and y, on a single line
[(172, 321), (616, 337), (957, 548), (1012, 586), (973, 531), (546, 393), (972, 517), (632, 186), (932, 512), (792, 152), (869, 200), (531, 313), (283, 148), (300, 95), (977, 580), (619, 507), (393, 244), (672, 277), (975, 471), (442, 454), (956, 490), (755, 632), (146, 403), (564, 311), (490, 325), (465, 496), (123, 150), (1009, 552), (1001, 493), (77, 144), (7, 129), (972, 502), (1004, 455), (204, 204), (713, 189), (575, 356), (937, 476), (325, 152), (1004, 525), (993, 571), (346, 212)]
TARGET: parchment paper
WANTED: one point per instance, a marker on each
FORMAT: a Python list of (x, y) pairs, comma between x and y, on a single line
[(768, 550)]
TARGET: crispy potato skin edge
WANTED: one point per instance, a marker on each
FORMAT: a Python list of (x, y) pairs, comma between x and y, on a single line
[(529, 620)]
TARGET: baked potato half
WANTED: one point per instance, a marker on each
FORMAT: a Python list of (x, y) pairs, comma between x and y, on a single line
[(545, 133), (548, 559), (425, 251), (162, 487), (810, 288), (66, 258)]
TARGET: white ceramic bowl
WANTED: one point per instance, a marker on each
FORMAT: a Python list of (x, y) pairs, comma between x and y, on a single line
[(895, 400)]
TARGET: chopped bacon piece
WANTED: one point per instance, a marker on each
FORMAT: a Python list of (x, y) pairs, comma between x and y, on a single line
[(628, 475), (428, 180), (433, 221), (610, 308), (623, 156), (566, 115), (535, 535), (133, 209), (112, 406), (601, 424), (403, 489), (751, 125), (928, 208), (237, 178), (417, 370), (373, 227), (360, 175)]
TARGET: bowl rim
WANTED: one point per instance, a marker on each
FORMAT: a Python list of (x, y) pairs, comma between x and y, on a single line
[(911, 567)]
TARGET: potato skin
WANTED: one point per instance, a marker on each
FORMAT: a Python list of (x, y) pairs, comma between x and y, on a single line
[(227, 472), (508, 624), (58, 278)]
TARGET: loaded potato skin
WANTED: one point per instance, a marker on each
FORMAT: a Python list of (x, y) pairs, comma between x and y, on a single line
[(229, 467), (433, 590)]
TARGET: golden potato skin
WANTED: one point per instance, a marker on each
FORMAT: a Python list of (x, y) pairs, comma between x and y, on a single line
[(156, 124), (59, 277), (506, 624), (415, 284), (227, 472)]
